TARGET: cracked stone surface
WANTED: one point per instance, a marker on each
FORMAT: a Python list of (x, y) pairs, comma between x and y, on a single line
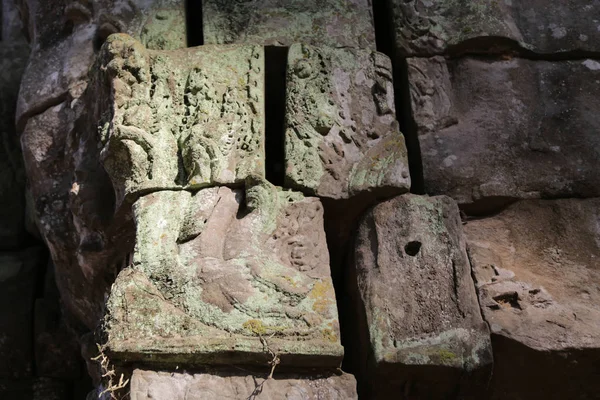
[(187, 386), (342, 137), (212, 273), (536, 265), (430, 27), (411, 285), (183, 119), (476, 118), (335, 23)]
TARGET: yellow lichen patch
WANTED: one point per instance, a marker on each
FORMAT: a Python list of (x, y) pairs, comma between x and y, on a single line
[(322, 294), (329, 335), (447, 356), (255, 326)]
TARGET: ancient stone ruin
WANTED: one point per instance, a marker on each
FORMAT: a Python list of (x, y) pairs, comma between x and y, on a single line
[(299, 199)]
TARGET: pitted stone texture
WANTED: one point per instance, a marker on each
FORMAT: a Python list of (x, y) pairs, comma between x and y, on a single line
[(66, 35), (537, 268), (412, 286), (18, 277), (342, 137), (426, 28), (185, 386), (183, 119), (211, 276), (496, 130), (13, 57), (336, 23)]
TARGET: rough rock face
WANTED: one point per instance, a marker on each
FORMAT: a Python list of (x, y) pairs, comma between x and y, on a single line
[(13, 58), (342, 137), (537, 269), (425, 27), (283, 22), (413, 290), (497, 129), (183, 386), (18, 274), (213, 275), (181, 119)]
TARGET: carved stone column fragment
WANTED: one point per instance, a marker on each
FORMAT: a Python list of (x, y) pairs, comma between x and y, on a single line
[(182, 119), (342, 137), (421, 332), (283, 22), (221, 276)]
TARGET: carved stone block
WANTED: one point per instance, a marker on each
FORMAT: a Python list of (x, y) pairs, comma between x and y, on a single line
[(537, 269), (182, 119), (411, 285), (184, 386), (431, 27), (334, 23), (216, 279), (342, 137), (494, 131)]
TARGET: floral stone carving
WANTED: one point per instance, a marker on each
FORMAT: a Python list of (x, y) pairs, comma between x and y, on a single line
[(215, 277), (187, 118), (342, 137)]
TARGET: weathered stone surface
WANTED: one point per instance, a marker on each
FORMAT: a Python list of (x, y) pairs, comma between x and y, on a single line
[(283, 22), (18, 272), (212, 275), (13, 57), (190, 118), (182, 386), (66, 35), (537, 268), (342, 137), (413, 292), (424, 27), (497, 130)]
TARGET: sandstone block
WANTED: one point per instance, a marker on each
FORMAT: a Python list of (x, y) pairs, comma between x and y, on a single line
[(412, 287), (537, 268), (215, 275), (184, 386), (342, 137), (507, 129), (18, 273), (426, 28), (334, 23), (183, 119)]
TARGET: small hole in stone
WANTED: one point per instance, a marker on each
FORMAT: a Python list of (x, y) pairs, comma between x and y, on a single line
[(412, 248)]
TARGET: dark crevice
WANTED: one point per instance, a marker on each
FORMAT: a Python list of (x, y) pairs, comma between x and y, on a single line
[(275, 72), (194, 23), (384, 37)]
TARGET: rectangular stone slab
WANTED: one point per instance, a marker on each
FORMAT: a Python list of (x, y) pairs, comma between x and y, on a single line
[(180, 119), (507, 129), (410, 281), (342, 137), (537, 268), (431, 27), (215, 385), (212, 277), (336, 23)]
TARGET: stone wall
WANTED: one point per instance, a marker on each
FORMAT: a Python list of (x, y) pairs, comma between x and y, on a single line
[(299, 199)]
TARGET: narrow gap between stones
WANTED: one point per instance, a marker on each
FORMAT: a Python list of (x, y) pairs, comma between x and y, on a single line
[(194, 23), (275, 72), (384, 38)]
